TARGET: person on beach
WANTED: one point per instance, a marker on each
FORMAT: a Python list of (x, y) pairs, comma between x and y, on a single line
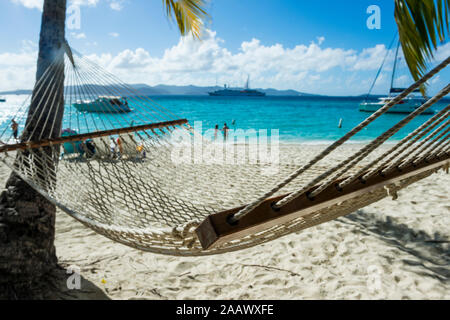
[(120, 144), (113, 148), (141, 151), (15, 128), (90, 148), (81, 148), (225, 131), (216, 131)]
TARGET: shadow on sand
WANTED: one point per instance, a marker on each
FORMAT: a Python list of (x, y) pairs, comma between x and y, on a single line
[(53, 286), (429, 252)]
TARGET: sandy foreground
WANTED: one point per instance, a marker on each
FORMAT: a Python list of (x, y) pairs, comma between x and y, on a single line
[(388, 250)]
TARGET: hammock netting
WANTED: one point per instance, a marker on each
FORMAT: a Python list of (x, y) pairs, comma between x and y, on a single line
[(117, 170)]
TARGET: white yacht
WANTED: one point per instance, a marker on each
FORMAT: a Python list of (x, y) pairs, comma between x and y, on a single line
[(247, 92), (406, 105), (104, 104)]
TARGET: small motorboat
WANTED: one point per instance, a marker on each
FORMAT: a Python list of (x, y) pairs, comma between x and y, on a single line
[(2, 99), (103, 104)]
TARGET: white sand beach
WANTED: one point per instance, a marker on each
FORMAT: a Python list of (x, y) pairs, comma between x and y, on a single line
[(388, 250)]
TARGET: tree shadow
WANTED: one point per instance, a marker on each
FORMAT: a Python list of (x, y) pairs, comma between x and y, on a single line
[(52, 286), (429, 252)]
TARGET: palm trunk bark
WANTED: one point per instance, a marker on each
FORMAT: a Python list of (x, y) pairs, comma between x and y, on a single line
[(27, 220)]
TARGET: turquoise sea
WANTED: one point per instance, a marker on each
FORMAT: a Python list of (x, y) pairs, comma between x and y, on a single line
[(298, 119)]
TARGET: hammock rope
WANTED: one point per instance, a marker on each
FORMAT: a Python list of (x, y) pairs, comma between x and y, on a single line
[(336, 144), (123, 174), (375, 144), (421, 149), (405, 143)]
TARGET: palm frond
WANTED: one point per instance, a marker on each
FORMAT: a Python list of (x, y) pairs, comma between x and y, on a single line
[(188, 14), (421, 25)]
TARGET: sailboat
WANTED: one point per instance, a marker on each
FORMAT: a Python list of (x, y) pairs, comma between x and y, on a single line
[(407, 105)]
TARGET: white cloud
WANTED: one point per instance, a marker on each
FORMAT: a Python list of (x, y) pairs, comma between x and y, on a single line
[(310, 68), (31, 4), (442, 53), (320, 40), (116, 5), (78, 35), (114, 34), (370, 58), (201, 62), (17, 70), (38, 4), (29, 46), (435, 79), (91, 3), (403, 81)]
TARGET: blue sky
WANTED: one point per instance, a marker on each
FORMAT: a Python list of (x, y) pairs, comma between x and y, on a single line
[(313, 46)]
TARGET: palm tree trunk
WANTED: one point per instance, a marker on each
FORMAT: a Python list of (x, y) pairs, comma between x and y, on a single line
[(27, 220)]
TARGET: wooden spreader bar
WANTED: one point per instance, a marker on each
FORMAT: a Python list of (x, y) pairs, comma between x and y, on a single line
[(216, 229), (91, 135)]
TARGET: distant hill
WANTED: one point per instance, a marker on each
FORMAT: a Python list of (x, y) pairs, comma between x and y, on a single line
[(165, 90), (199, 91), (275, 92), (16, 92), (161, 90)]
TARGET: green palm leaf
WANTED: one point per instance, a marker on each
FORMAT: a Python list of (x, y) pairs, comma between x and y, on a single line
[(189, 15), (421, 25)]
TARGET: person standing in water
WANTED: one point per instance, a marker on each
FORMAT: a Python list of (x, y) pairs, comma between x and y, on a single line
[(15, 128), (225, 131), (120, 145), (216, 131), (113, 148)]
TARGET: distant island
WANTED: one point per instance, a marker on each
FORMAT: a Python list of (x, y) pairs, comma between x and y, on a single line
[(163, 90), (168, 90)]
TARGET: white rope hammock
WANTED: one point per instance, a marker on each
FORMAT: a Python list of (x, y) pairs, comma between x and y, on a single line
[(116, 172)]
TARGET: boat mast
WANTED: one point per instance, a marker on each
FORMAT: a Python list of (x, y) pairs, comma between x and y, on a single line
[(247, 83), (395, 67), (381, 68)]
